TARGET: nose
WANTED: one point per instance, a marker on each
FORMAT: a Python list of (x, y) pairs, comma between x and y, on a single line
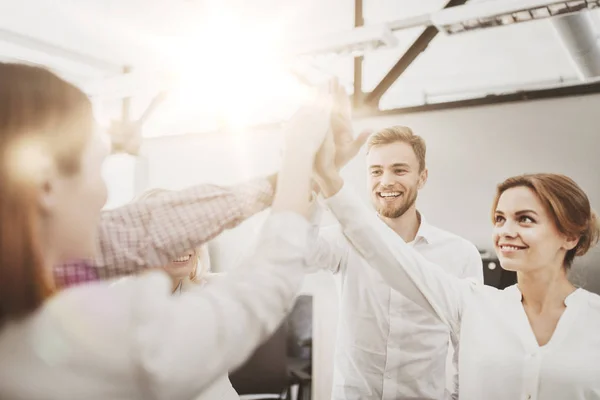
[(387, 179), (507, 229)]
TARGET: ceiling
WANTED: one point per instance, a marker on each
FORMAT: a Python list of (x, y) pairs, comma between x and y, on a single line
[(89, 42)]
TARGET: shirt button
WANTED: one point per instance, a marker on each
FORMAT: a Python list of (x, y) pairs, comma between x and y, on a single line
[(528, 397)]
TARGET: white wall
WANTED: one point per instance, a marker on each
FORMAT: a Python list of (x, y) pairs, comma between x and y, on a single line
[(469, 152)]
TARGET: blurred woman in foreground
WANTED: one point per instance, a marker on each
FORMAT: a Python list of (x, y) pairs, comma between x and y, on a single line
[(123, 341)]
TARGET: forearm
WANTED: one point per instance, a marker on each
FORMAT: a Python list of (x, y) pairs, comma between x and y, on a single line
[(294, 183), (151, 232), (226, 320), (330, 183), (327, 246), (404, 269)]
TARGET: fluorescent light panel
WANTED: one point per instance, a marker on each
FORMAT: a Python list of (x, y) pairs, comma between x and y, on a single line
[(353, 42), (500, 13)]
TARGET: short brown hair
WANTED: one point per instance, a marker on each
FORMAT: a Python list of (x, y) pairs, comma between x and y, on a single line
[(566, 202), (38, 110), (399, 133)]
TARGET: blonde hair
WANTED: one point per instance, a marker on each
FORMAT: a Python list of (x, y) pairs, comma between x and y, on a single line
[(202, 254), (399, 133)]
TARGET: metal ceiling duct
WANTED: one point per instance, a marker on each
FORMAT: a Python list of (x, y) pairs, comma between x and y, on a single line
[(577, 32)]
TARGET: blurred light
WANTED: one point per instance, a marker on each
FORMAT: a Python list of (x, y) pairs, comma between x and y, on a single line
[(27, 160), (232, 72)]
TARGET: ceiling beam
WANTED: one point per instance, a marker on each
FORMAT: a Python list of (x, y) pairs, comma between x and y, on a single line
[(577, 89), (358, 61), (570, 90), (418, 46), (48, 50)]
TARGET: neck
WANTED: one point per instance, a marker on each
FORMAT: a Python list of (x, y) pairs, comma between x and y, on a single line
[(543, 289), (406, 225), (176, 283)]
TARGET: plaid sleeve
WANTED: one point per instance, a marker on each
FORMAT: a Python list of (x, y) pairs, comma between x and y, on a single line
[(151, 232), (75, 272)]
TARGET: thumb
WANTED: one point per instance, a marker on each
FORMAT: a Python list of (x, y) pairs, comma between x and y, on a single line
[(360, 140)]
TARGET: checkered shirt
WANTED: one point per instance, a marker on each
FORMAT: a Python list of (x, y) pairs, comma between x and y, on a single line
[(150, 233)]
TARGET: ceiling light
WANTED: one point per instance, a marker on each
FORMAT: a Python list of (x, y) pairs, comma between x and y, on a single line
[(353, 42), (490, 14)]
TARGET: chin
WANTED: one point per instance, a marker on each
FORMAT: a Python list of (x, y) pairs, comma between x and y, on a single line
[(510, 264), (180, 271)]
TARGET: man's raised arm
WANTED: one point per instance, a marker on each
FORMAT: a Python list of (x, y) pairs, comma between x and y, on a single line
[(150, 233)]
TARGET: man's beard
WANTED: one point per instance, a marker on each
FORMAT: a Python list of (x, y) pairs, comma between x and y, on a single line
[(388, 212)]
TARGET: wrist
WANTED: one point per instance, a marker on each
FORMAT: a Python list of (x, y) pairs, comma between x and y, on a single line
[(330, 184), (298, 153), (300, 145), (299, 159)]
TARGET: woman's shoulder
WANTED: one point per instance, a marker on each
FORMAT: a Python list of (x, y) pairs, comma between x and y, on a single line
[(100, 303), (87, 322), (116, 288), (487, 294), (593, 299)]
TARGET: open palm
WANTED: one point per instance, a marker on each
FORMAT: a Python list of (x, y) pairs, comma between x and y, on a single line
[(346, 145)]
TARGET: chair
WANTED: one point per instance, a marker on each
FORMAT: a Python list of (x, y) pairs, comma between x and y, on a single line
[(264, 375), (299, 346), (283, 362)]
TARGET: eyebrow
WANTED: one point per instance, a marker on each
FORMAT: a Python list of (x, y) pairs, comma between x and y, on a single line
[(396, 165), (519, 212)]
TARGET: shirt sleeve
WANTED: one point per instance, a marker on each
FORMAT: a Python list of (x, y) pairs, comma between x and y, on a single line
[(327, 248), (183, 343), (473, 269), (75, 272), (473, 265), (151, 232), (402, 267), (160, 346)]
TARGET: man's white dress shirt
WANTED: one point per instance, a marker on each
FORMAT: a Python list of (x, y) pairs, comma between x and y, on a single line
[(137, 341), (388, 347), (499, 357)]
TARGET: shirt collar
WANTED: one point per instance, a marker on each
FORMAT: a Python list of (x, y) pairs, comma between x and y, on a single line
[(514, 292), (425, 231), (576, 296)]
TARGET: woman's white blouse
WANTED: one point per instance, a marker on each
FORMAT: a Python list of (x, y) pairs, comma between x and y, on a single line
[(137, 341), (499, 356), (221, 388)]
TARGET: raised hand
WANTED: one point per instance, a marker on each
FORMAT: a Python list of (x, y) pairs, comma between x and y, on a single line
[(347, 146), (304, 135), (307, 128), (340, 145)]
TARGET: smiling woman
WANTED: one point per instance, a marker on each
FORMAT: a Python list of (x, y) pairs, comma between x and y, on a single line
[(542, 219), (188, 272), (534, 340), (193, 266)]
